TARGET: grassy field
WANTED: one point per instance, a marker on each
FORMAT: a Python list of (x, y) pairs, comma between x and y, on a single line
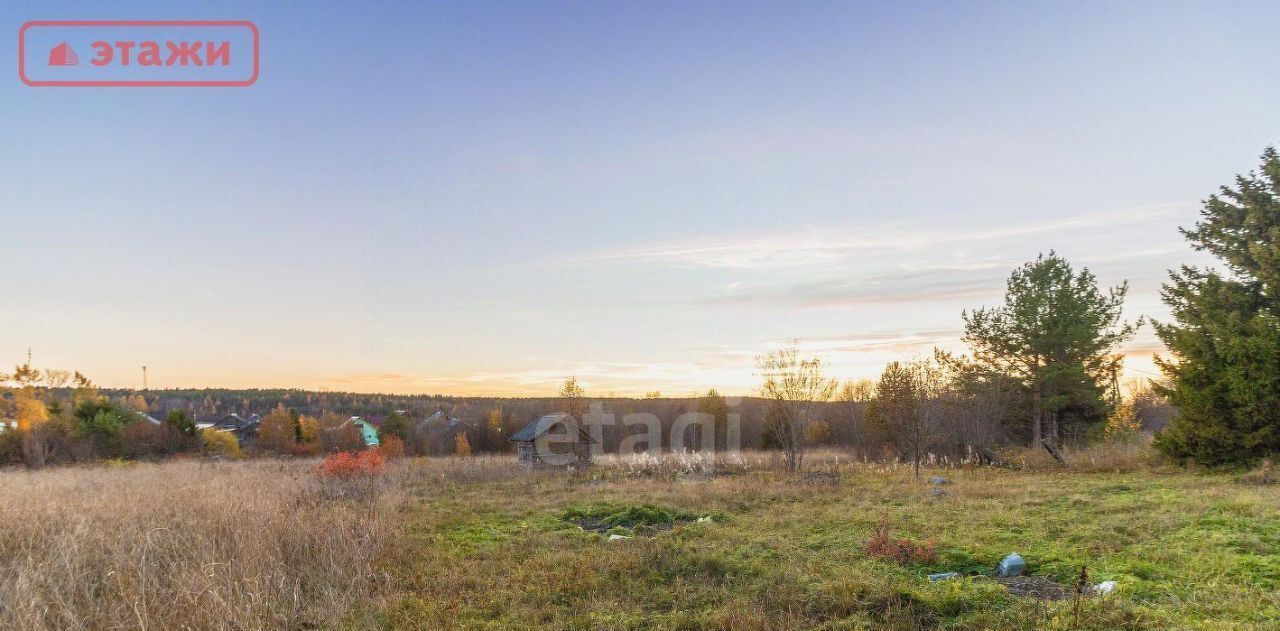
[(477, 543)]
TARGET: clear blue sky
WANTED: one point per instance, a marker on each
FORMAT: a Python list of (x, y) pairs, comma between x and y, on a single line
[(474, 197)]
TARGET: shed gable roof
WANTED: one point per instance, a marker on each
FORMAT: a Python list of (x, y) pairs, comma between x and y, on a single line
[(534, 430)]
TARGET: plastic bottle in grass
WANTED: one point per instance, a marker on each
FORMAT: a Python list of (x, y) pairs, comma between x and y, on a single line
[(1012, 565)]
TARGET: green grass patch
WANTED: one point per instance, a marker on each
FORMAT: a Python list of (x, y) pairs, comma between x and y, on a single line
[(1188, 551), (626, 520)]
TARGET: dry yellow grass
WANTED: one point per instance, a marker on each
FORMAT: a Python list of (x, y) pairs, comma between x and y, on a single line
[(191, 544)]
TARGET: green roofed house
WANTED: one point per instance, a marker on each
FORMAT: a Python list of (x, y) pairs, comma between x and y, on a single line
[(367, 431)]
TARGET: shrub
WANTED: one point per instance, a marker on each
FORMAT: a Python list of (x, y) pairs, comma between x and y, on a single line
[(303, 449), (309, 430), (143, 438), (904, 551), (218, 443), (10, 446), (345, 464), (336, 434), (1123, 424), (182, 423), (278, 431), (46, 442), (392, 446)]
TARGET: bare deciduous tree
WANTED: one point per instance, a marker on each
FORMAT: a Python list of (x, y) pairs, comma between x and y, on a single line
[(54, 378), (931, 404), (850, 426), (793, 385), (909, 407), (981, 399)]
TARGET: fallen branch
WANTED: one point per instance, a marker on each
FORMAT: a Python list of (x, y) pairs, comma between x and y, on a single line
[(1053, 451)]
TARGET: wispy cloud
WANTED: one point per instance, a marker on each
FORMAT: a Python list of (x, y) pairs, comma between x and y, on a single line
[(905, 288), (817, 246), (905, 342)]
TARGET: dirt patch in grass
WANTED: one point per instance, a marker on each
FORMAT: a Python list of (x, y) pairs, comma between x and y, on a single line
[(1037, 587), (830, 478)]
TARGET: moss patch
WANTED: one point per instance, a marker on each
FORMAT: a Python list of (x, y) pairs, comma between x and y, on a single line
[(626, 520)]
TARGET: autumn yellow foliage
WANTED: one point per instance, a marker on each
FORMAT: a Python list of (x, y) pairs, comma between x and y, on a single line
[(308, 429), (30, 410), (1123, 424), (276, 432), (220, 443)]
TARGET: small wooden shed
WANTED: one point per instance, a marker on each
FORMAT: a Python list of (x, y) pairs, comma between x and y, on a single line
[(554, 440)]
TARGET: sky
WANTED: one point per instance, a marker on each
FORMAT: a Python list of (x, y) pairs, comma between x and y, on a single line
[(484, 198)]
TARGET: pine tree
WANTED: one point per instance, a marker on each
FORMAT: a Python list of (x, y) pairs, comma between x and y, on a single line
[(182, 423), (1224, 377), (1057, 335), (396, 425)]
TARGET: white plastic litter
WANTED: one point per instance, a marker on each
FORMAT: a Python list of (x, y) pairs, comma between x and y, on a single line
[(617, 537), (704, 520), (1104, 588)]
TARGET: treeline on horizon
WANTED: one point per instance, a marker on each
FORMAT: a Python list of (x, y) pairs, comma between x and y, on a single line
[(1042, 369)]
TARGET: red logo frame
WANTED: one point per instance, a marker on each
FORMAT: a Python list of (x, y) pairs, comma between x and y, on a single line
[(22, 73)]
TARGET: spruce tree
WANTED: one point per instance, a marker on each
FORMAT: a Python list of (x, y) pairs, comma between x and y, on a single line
[(1224, 376)]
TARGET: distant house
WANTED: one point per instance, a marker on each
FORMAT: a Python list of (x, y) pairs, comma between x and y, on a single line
[(244, 429), (437, 434), (553, 440), (367, 431)]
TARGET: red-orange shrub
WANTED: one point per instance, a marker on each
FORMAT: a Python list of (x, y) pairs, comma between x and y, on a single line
[(883, 545), (345, 464)]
